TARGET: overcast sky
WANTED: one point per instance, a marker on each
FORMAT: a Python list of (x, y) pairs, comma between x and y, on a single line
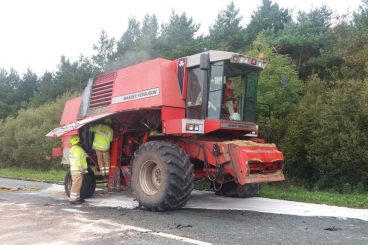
[(35, 33)]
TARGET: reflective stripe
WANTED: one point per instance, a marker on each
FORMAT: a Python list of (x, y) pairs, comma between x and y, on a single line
[(74, 196), (101, 147), (105, 170)]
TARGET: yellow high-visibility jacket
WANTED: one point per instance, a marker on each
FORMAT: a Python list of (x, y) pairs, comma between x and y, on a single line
[(77, 159), (103, 137)]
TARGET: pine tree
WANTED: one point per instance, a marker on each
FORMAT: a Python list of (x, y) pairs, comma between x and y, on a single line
[(227, 33)]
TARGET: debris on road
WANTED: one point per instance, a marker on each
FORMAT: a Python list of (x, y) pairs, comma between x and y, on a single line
[(25, 188)]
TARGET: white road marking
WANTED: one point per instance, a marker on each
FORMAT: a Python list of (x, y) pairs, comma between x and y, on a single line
[(123, 227)]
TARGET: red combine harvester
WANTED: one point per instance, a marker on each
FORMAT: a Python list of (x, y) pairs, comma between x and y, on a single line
[(175, 122)]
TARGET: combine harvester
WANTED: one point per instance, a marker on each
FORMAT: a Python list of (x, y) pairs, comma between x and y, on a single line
[(175, 122)]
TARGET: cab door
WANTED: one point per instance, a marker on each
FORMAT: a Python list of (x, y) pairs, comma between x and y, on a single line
[(194, 99), (250, 98)]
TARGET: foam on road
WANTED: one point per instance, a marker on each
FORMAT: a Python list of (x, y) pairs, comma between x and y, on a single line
[(207, 200)]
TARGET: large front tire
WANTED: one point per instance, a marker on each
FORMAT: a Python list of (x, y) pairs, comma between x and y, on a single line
[(88, 186), (162, 176)]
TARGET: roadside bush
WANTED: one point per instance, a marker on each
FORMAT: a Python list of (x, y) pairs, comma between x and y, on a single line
[(326, 141), (279, 85), (22, 139), (279, 89)]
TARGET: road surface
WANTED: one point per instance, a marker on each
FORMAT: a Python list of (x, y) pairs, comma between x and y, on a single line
[(39, 213)]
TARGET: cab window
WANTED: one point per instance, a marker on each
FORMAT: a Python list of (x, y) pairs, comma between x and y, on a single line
[(195, 93)]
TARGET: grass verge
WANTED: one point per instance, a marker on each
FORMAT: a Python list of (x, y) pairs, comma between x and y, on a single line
[(285, 191), (295, 193), (53, 175)]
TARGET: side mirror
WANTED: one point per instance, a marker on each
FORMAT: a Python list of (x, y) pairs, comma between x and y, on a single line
[(204, 61)]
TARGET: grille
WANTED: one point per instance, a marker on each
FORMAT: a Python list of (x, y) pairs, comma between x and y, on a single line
[(102, 90), (257, 167)]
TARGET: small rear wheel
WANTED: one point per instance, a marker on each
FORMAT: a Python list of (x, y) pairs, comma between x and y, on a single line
[(68, 183), (233, 189), (88, 186), (162, 176)]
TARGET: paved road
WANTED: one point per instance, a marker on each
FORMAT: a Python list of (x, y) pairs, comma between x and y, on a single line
[(39, 213)]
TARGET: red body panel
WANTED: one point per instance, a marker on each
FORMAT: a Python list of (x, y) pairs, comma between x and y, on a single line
[(71, 109), (154, 74), (169, 113), (175, 126), (172, 126), (224, 125), (115, 160)]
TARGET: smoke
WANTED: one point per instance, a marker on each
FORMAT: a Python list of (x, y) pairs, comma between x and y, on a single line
[(129, 58)]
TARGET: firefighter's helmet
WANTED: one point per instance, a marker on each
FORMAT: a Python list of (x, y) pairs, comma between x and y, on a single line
[(108, 120), (74, 140)]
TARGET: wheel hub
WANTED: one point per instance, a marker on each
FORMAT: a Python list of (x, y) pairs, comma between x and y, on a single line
[(156, 176), (150, 177)]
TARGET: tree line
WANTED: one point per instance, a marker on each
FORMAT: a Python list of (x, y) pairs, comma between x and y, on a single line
[(315, 85)]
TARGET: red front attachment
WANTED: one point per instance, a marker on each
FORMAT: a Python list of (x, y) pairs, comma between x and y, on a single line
[(246, 161), (256, 163)]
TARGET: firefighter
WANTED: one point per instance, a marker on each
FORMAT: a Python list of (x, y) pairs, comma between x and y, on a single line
[(101, 144), (231, 102), (78, 167)]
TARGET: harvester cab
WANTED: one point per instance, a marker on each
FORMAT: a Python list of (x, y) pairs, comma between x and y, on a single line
[(220, 91), (224, 89), (176, 122)]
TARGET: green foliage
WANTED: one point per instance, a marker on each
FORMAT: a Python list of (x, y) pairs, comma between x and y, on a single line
[(360, 188), (70, 77), (268, 16), (137, 44), (353, 50), (177, 37), (361, 16), (279, 85), (308, 40), (105, 51), (346, 188), (22, 139), (279, 89), (326, 141), (130, 37), (15, 92), (227, 33), (149, 35), (6, 91)]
